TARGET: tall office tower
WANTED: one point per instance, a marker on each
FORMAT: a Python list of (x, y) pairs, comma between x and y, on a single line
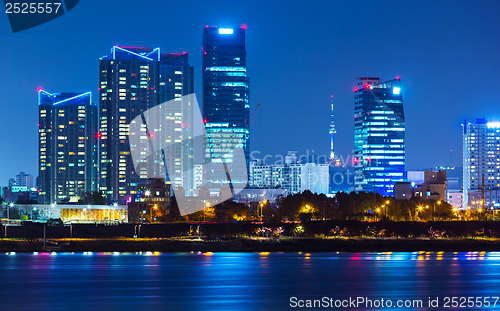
[(67, 146), (133, 80), (481, 161), (226, 107), (379, 135)]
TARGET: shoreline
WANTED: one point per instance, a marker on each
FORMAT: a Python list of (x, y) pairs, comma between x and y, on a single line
[(309, 245)]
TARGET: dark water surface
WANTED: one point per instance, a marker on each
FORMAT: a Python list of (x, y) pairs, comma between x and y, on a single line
[(238, 281)]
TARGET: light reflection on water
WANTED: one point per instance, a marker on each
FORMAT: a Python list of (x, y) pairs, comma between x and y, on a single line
[(235, 281)]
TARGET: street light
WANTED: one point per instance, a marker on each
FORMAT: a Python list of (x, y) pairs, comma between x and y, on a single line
[(385, 207), (433, 209), (207, 205), (261, 208), (50, 209), (11, 205)]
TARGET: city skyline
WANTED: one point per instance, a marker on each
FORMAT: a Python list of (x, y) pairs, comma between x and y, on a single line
[(425, 106)]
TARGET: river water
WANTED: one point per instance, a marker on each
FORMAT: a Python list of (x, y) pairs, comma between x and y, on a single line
[(243, 281)]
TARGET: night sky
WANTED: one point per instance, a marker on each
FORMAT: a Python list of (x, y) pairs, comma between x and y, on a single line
[(447, 54)]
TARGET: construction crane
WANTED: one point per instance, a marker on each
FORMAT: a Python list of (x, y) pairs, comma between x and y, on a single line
[(254, 114)]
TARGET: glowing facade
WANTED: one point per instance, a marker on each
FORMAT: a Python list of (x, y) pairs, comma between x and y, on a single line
[(226, 107), (379, 135), (133, 80), (481, 157), (67, 146)]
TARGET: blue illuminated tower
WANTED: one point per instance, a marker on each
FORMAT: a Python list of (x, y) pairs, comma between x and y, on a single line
[(226, 107), (67, 146), (379, 135)]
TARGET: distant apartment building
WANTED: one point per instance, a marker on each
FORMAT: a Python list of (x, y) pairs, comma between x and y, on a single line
[(260, 176), (22, 180), (198, 176), (379, 135), (293, 177), (456, 198), (481, 163), (67, 134), (491, 199)]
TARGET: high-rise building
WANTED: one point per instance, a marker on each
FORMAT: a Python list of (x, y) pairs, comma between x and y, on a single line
[(379, 135), (226, 107), (133, 80), (481, 161), (67, 146), (24, 180)]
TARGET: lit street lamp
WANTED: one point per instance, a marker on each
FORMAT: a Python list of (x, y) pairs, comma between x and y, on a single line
[(433, 208), (207, 205)]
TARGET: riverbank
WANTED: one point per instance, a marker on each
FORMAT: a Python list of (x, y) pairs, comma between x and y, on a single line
[(251, 245)]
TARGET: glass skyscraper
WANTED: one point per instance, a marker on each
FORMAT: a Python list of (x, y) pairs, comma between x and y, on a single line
[(67, 134), (226, 107), (131, 81), (379, 135), (481, 161)]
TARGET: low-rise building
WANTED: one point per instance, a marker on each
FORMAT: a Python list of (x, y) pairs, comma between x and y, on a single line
[(69, 213), (428, 185), (456, 198), (152, 203)]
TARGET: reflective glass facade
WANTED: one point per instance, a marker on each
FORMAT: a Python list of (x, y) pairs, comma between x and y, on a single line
[(379, 135), (226, 107), (67, 135)]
